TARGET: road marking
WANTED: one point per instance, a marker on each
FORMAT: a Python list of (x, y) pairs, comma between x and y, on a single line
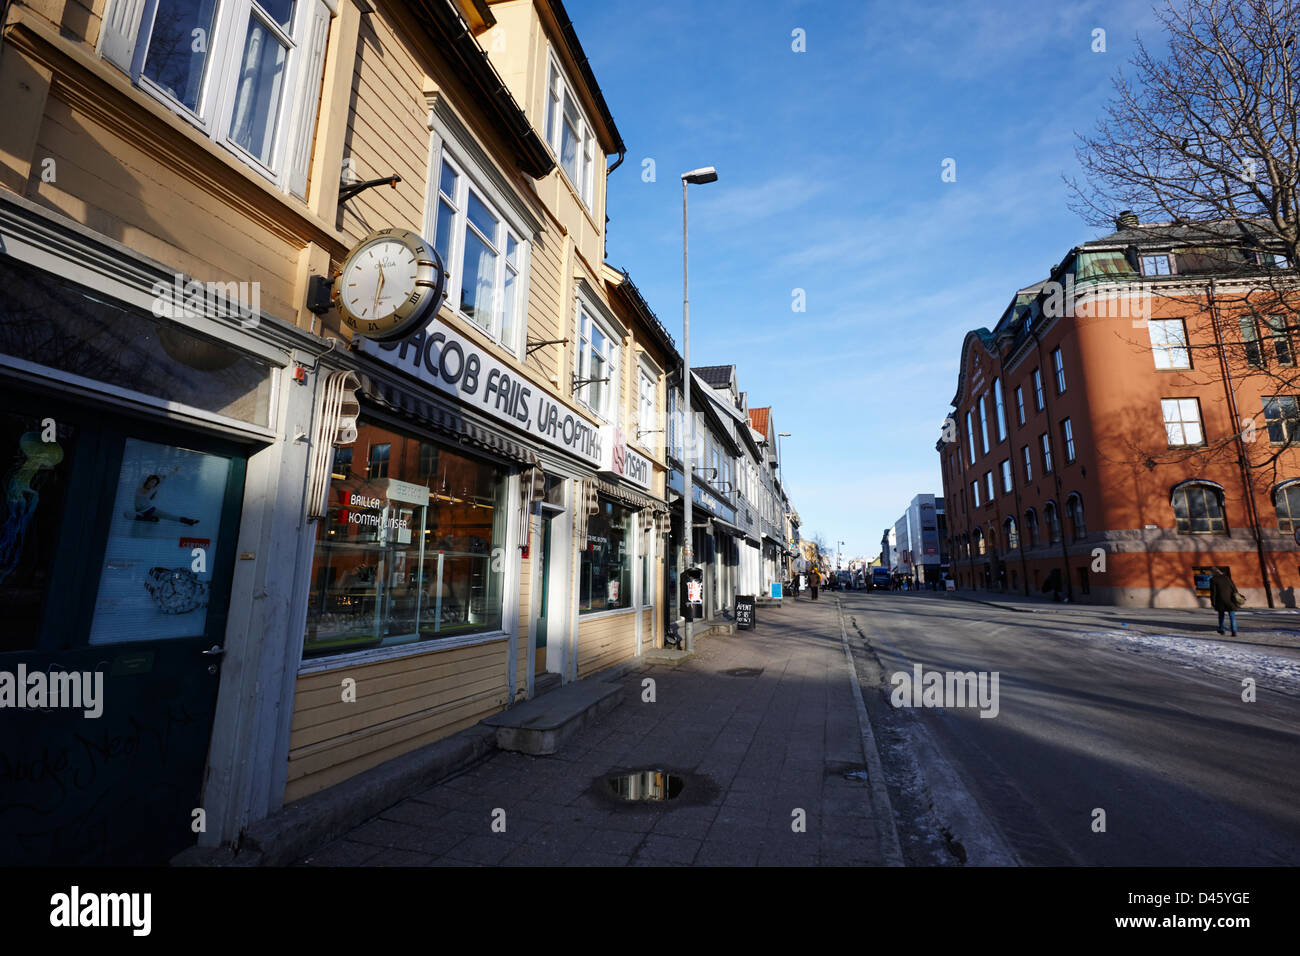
[(883, 809)]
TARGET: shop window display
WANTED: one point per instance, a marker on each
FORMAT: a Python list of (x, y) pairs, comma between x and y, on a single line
[(605, 572), (412, 551)]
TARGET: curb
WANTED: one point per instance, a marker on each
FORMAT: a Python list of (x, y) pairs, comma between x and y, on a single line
[(886, 823)]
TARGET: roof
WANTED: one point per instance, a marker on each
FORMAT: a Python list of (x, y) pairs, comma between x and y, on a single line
[(1174, 233), (443, 20), (759, 417), (715, 376)]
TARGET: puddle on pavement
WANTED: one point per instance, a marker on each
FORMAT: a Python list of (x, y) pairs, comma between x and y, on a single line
[(646, 786)]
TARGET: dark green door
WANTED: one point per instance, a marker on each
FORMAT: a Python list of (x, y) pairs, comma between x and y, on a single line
[(118, 541)]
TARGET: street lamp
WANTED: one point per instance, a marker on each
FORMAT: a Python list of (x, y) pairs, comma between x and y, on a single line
[(780, 462), (838, 546), (698, 177)]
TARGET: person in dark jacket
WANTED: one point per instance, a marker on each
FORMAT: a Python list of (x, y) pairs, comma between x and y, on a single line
[(814, 581), (1222, 594)]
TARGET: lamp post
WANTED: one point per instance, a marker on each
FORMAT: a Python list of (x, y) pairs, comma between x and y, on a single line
[(705, 174)]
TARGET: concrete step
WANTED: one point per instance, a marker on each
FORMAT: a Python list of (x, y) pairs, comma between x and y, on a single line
[(545, 683), (540, 726)]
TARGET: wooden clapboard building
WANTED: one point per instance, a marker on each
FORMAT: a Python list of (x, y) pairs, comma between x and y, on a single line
[(313, 550)]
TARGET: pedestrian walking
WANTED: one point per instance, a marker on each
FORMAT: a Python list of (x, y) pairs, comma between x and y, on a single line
[(814, 579), (1225, 598)]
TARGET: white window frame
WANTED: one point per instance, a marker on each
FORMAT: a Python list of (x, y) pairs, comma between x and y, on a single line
[(1153, 259), (129, 29), (647, 424), (558, 87), (1039, 403), (587, 312), (1164, 349), (509, 227), (1058, 365), (1175, 412)]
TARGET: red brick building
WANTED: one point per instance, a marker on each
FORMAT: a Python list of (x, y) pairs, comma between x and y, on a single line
[(1131, 423)]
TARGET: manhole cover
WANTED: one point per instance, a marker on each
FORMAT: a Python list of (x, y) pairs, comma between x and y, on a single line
[(744, 672), (646, 786)]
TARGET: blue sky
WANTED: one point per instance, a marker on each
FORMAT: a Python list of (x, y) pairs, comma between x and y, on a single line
[(830, 165)]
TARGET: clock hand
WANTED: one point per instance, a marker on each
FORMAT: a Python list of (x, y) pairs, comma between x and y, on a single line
[(379, 289)]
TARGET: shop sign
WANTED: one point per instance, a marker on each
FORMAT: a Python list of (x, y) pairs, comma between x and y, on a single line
[(444, 359), (621, 460)]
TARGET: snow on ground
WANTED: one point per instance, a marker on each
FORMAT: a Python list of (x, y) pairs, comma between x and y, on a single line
[(1279, 671)]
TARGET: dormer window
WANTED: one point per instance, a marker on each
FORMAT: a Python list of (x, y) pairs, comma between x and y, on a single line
[(1155, 265), (569, 133)]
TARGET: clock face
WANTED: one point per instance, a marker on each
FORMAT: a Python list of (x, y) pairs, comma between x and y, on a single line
[(390, 283), (382, 273)]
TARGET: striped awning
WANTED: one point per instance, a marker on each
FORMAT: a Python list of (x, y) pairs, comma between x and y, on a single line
[(443, 418), (630, 496)]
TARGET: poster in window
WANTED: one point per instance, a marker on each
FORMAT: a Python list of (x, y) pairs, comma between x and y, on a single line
[(156, 578)]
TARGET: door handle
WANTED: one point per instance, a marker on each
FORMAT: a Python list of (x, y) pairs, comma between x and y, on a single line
[(216, 650)]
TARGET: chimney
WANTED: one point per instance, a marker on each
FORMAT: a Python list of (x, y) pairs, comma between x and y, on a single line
[(1126, 220)]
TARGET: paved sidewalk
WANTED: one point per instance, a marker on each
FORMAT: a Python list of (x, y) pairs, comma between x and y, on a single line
[(755, 749)]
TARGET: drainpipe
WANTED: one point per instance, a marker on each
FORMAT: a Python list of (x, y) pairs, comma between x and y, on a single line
[(1252, 515), (1056, 465)]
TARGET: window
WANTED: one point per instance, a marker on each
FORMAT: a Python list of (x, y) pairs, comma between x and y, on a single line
[(569, 133), (1281, 336), (1182, 421), (1000, 408), (1198, 509), (1053, 522), (1074, 509), (1169, 343), (1250, 341), (407, 555), (1067, 433), (342, 463), (1058, 363), (975, 493), (988, 486), (245, 73), (379, 461), (1155, 265), (1012, 533), (970, 437), (977, 536), (1038, 390), (1031, 527), (605, 573), (483, 254), (597, 366), (1283, 416), (1046, 445), (647, 404), (1029, 469), (984, 426), (1020, 405), (1286, 499), (1006, 476)]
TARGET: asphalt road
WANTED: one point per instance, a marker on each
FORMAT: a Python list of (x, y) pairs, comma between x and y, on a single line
[(1186, 772)]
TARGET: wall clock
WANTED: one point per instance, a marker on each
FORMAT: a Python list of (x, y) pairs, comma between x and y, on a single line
[(391, 285)]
